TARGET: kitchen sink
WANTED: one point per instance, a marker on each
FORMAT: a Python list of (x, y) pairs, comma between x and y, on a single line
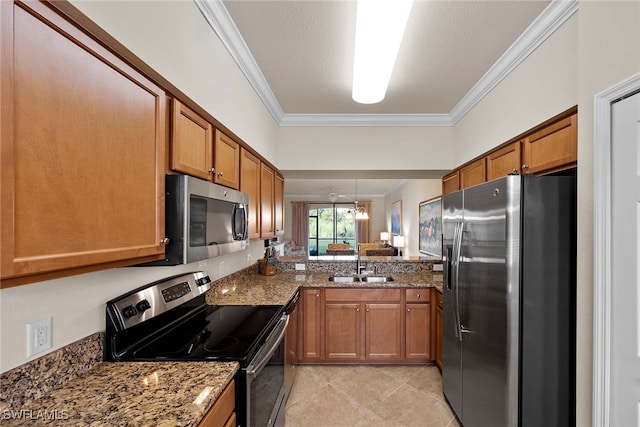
[(352, 279), (377, 279), (344, 279)]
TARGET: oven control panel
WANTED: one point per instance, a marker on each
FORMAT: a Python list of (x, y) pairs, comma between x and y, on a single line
[(156, 298), (176, 291)]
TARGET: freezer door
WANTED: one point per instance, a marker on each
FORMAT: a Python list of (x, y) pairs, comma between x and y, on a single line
[(489, 282), (451, 345)]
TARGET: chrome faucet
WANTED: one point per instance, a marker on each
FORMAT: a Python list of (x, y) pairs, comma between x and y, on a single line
[(359, 266)]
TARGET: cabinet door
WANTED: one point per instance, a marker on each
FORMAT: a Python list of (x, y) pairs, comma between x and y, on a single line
[(451, 182), (383, 328), (250, 184), (267, 196), (82, 139), (504, 161), (222, 410), (311, 324), (343, 331), (226, 155), (278, 204), (552, 148), (417, 336), (473, 174), (191, 142)]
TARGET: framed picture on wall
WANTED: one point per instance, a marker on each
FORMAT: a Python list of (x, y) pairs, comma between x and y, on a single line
[(396, 217), (430, 227)]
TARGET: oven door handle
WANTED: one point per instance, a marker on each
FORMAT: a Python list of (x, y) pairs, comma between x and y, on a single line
[(256, 366)]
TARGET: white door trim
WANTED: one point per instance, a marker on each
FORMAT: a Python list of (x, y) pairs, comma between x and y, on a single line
[(602, 247)]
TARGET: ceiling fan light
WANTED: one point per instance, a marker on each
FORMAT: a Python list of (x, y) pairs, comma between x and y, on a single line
[(380, 26)]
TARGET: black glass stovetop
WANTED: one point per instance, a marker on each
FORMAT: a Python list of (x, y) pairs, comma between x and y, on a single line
[(226, 333)]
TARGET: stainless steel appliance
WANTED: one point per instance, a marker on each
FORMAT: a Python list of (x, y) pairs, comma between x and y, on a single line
[(291, 342), (509, 302), (170, 320), (203, 220)]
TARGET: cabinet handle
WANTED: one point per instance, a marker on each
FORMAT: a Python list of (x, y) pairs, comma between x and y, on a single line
[(212, 170), (418, 295), (220, 174), (524, 167), (357, 309), (408, 309), (514, 171), (165, 241), (317, 295)]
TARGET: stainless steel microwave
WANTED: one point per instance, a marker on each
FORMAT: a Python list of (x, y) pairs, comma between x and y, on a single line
[(203, 220)]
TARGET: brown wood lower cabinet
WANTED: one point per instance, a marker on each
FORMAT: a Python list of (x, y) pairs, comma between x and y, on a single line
[(365, 325), (222, 413), (438, 327)]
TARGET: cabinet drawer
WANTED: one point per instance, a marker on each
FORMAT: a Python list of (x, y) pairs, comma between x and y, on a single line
[(417, 295), (389, 295)]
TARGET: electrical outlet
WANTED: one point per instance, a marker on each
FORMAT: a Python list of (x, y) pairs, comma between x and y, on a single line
[(300, 266), (437, 267), (249, 259), (38, 336)]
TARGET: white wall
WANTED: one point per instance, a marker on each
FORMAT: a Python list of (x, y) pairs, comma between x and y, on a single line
[(608, 52), (411, 193), (175, 40), (365, 148), (542, 86)]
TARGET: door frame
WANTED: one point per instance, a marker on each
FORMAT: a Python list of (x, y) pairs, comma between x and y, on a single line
[(602, 316)]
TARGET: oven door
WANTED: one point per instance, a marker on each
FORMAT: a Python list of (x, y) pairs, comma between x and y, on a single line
[(266, 394)]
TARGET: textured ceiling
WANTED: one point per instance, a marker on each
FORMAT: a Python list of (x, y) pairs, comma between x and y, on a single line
[(304, 51)]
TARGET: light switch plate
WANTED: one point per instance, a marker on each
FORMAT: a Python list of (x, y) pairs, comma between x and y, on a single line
[(38, 336)]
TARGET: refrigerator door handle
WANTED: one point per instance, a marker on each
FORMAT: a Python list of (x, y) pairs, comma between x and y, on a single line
[(456, 256)]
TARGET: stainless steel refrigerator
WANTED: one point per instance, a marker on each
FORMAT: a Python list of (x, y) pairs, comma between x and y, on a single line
[(509, 302)]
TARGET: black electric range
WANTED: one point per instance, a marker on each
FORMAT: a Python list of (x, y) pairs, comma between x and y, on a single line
[(169, 320)]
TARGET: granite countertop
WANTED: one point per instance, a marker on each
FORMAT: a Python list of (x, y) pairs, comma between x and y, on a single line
[(132, 393), (278, 289)]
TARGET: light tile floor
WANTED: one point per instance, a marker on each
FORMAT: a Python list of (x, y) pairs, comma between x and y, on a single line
[(376, 396)]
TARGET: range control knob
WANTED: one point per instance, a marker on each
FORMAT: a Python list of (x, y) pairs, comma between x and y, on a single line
[(143, 305), (129, 311)]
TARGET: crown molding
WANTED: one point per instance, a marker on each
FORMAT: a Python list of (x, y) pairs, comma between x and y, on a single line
[(366, 120), (220, 21), (551, 18)]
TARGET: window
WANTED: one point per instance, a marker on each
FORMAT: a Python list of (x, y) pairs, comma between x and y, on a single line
[(328, 223)]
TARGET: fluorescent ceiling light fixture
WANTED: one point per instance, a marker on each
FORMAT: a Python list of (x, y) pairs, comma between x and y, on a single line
[(380, 26)]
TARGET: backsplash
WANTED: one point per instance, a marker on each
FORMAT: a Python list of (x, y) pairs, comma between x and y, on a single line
[(382, 265), (22, 385)]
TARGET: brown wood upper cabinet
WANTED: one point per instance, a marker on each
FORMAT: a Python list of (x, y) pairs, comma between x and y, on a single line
[(191, 149), (226, 159), (451, 182), (278, 203), (504, 161), (199, 150), (82, 137), (250, 184), (473, 174), (552, 148), (267, 197)]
